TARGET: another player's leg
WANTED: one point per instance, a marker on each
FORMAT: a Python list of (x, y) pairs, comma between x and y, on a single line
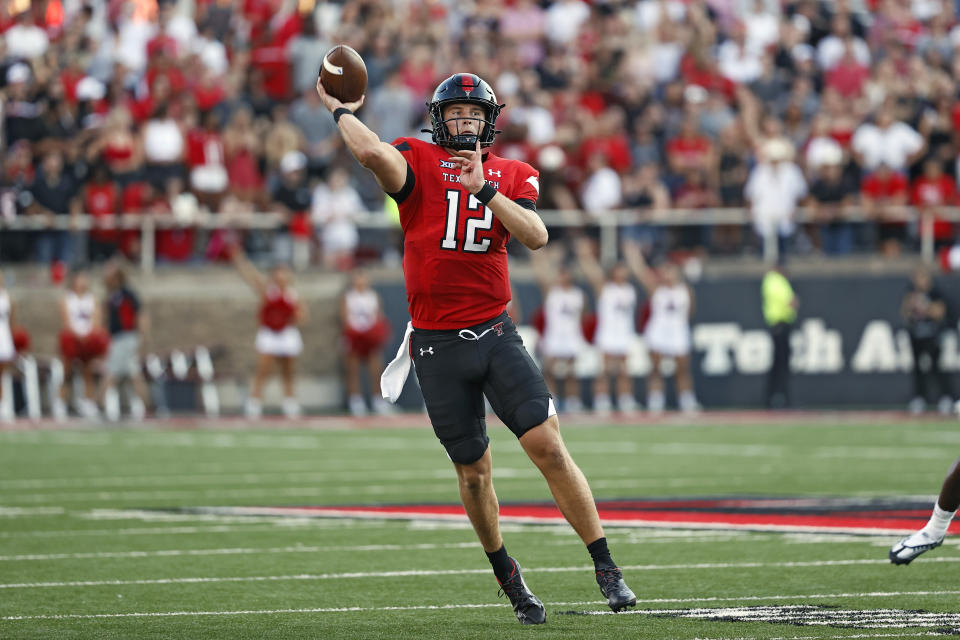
[(626, 401), (254, 408), (572, 494), (288, 373), (355, 401), (602, 404), (475, 481), (932, 535), (656, 400), (686, 397), (571, 387)]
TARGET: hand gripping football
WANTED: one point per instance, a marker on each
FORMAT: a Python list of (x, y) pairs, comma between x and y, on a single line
[(343, 74)]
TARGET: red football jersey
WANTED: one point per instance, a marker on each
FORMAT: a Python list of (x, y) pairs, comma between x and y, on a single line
[(455, 256)]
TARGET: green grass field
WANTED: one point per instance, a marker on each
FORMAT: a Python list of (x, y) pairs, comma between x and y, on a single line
[(86, 553)]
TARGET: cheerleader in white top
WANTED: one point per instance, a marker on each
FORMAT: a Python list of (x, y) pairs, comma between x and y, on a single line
[(365, 330), (562, 336), (667, 332), (83, 342), (616, 328)]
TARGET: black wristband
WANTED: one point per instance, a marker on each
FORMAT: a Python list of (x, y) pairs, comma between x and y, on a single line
[(486, 193), (340, 111)]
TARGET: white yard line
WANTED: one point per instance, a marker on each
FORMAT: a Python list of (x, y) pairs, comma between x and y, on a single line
[(164, 614), (27, 512)]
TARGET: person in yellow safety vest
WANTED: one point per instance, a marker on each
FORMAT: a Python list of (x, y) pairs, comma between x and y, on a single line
[(780, 312)]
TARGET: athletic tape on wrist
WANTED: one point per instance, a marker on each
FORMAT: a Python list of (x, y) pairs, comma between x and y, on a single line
[(339, 112), (485, 195)]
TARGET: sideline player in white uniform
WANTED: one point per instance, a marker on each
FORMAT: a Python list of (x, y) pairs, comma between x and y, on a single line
[(365, 331), (8, 352), (278, 338), (616, 328), (668, 330), (562, 339)]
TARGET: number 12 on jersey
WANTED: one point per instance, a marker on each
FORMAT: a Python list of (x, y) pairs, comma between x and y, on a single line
[(474, 224)]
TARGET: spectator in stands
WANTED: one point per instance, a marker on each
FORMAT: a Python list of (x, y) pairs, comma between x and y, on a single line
[(206, 162), (305, 52), (53, 195), (282, 137), (335, 207), (101, 201), (118, 147), (126, 323), (278, 338), (602, 188), (930, 193), (163, 147), (690, 150), (925, 313), (390, 108), (291, 197), (882, 192), (241, 148), (83, 342), (774, 188), (365, 332), (316, 128), (886, 140), (832, 197)]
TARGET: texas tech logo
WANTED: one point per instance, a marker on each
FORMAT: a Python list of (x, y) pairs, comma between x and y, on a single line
[(498, 328)]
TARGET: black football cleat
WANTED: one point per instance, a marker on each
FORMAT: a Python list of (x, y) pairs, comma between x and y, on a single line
[(615, 590), (527, 606)]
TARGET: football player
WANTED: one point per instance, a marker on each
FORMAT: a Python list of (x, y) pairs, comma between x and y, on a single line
[(931, 536), (459, 204)]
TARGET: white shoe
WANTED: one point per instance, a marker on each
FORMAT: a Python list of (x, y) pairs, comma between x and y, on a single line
[(138, 410), (656, 403), (917, 406), (253, 408), (688, 403), (945, 405), (626, 403), (358, 407), (383, 408), (88, 409), (59, 410), (291, 408), (912, 546), (602, 405), (572, 405)]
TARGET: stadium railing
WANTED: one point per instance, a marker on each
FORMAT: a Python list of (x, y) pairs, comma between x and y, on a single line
[(608, 223)]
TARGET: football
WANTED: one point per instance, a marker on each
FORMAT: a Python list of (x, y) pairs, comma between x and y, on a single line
[(343, 74)]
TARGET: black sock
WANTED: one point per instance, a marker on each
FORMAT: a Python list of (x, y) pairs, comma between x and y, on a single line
[(501, 562), (600, 554)]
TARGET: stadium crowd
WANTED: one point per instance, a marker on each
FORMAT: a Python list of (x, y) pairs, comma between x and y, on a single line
[(172, 107)]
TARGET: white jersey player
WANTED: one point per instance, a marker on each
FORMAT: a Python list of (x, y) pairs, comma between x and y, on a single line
[(616, 328), (562, 340), (667, 332)]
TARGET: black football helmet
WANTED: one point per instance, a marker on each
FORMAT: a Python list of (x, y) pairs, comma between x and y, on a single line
[(469, 88)]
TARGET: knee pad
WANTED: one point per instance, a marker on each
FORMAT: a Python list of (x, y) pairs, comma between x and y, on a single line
[(468, 450)]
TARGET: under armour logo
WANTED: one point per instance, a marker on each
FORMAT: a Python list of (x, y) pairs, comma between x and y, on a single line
[(491, 172), (427, 351), (498, 328)]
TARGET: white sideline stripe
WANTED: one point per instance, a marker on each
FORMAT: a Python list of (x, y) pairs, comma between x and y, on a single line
[(21, 512), (430, 607), (431, 546)]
